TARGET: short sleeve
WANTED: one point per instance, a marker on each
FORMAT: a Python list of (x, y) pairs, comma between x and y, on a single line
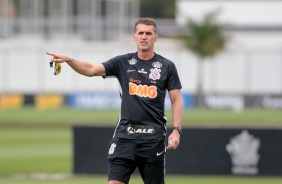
[(173, 81), (112, 66)]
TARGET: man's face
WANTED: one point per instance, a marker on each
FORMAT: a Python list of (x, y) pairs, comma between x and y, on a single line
[(145, 37)]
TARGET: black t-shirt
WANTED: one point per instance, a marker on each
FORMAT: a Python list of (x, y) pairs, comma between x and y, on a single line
[(143, 86)]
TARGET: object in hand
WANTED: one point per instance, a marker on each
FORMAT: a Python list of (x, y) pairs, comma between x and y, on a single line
[(57, 68)]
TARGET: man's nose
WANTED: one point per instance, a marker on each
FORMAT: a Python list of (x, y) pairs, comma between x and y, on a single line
[(144, 36)]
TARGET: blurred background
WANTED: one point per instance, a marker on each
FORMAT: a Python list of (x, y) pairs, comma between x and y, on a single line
[(244, 71), (228, 55)]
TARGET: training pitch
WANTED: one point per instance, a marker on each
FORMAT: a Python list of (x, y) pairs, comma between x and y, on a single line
[(36, 145)]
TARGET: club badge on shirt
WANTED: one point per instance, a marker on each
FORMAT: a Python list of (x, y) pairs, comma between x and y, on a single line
[(155, 74)]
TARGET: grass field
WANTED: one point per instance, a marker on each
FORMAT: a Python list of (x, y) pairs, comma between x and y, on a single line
[(67, 117), (171, 179), (36, 145)]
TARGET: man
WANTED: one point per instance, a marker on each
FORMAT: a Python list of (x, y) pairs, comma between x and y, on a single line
[(144, 77)]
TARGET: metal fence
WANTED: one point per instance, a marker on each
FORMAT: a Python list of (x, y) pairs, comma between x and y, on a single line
[(87, 19)]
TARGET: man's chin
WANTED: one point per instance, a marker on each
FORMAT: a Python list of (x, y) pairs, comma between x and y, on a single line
[(144, 49)]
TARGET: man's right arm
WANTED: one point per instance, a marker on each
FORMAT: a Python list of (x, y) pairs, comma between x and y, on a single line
[(80, 67)]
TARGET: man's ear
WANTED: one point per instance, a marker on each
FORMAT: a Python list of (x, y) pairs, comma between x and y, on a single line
[(156, 38), (134, 37)]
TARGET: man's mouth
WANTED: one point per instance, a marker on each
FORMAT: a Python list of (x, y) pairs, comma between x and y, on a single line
[(143, 43)]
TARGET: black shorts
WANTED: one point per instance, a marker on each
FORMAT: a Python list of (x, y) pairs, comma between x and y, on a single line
[(125, 155)]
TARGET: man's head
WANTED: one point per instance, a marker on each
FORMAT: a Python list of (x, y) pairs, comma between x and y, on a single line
[(145, 34), (147, 21)]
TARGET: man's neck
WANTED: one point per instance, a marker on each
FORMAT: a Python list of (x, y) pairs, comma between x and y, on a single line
[(145, 55)]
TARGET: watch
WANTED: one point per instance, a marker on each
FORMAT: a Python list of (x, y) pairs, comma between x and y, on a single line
[(179, 129)]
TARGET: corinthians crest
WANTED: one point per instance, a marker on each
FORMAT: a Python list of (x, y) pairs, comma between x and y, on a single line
[(243, 150), (155, 74)]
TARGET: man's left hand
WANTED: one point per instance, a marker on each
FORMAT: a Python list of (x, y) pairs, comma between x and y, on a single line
[(173, 140)]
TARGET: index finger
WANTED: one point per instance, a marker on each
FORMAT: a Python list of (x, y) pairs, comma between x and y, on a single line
[(52, 54), (169, 144)]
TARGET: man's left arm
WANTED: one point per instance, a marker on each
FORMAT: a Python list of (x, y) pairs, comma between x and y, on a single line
[(177, 112)]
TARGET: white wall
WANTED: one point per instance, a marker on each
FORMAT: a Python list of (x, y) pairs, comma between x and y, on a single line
[(236, 12), (244, 67)]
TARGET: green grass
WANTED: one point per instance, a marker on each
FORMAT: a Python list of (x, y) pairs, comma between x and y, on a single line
[(66, 117), (39, 149), (170, 179), (33, 142)]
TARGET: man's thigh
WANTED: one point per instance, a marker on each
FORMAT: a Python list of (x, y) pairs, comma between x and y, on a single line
[(151, 162), (121, 160)]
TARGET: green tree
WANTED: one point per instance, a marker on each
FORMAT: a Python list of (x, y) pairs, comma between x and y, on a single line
[(205, 39)]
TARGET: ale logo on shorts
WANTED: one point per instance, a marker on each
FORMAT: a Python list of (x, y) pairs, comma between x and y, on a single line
[(140, 130), (112, 149)]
